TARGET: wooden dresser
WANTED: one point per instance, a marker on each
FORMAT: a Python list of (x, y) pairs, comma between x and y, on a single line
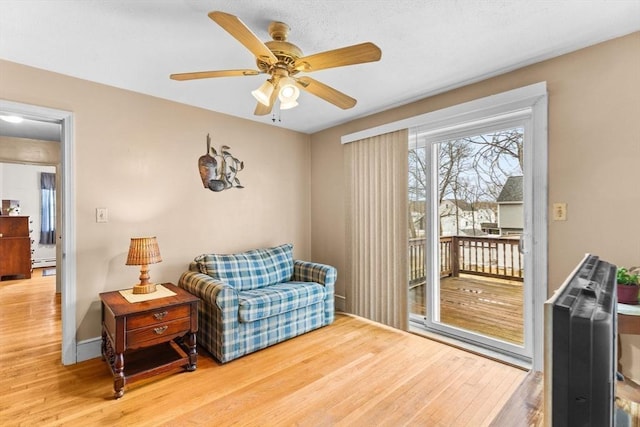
[(15, 246)]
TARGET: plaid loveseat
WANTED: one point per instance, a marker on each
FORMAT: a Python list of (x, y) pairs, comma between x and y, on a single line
[(255, 299)]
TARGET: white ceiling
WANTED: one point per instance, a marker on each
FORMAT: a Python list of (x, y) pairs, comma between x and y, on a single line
[(428, 46)]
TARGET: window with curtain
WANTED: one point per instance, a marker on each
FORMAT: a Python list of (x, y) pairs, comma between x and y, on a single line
[(47, 208)]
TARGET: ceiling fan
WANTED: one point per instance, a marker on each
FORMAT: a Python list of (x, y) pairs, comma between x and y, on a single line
[(282, 61)]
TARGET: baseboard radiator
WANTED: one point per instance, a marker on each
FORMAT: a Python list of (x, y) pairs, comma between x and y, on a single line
[(43, 262)]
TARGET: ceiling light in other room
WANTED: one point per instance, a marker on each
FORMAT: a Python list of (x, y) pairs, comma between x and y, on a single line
[(289, 93), (263, 93), (12, 119)]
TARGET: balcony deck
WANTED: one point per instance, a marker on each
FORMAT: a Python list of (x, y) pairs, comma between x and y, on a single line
[(486, 305)]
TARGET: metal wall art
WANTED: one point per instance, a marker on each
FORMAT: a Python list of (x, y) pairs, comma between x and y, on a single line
[(219, 170)]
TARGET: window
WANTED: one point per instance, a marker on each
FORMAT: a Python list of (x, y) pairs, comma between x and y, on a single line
[(47, 208)]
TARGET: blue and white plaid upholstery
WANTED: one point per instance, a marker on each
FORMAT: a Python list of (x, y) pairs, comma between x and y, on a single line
[(250, 270), (281, 298), (235, 319)]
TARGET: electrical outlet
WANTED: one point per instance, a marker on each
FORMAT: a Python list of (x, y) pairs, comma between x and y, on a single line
[(102, 215), (559, 211)]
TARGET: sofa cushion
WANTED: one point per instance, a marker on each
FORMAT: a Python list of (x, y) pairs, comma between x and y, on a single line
[(281, 298), (250, 270), (278, 262)]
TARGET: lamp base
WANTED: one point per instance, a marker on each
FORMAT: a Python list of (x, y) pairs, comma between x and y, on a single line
[(144, 289)]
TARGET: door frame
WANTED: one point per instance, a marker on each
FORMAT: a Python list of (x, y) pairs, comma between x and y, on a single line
[(430, 140), (533, 97), (530, 101), (66, 247)]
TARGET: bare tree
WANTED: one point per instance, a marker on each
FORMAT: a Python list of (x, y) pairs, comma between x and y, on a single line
[(417, 174), (472, 170), (454, 161), (472, 193), (417, 185), (498, 155)]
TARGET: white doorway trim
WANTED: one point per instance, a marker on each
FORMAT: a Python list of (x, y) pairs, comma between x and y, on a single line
[(531, 101), (66, 257)]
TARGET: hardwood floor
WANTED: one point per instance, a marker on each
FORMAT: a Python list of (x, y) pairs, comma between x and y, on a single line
[(352, 373)]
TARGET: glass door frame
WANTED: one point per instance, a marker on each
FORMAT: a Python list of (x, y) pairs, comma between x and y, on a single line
[(431, 140)]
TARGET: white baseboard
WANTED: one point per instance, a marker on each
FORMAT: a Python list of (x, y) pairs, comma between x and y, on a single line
[(340, 303), (88, 349)]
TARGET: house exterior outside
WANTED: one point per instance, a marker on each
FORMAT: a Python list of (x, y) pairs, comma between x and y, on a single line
[(461, 218), (457, 217), (511, 207)]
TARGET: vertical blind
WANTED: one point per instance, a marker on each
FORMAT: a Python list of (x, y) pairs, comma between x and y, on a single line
[(47, 208), (376, 174)]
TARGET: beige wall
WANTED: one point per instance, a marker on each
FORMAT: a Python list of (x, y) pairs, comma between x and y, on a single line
[(594, 156), (137, 156)]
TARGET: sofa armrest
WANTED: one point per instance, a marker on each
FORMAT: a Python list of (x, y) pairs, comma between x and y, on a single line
[(209, 289), (306, 271)]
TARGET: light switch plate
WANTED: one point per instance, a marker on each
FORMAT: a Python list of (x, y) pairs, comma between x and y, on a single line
[(102, 215), (559, 211)]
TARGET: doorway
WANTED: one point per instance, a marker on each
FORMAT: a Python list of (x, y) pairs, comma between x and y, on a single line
[(21, 185), (519, 111), (65, 245), (468, 229), (528, 103)]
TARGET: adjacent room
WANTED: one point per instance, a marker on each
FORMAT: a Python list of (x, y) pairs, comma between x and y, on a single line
[(301, 213)]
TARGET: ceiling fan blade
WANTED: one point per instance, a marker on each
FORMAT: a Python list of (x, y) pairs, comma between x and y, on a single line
[(234, 26), (350, 55), (211, 74), (263, 110), (325, 92)]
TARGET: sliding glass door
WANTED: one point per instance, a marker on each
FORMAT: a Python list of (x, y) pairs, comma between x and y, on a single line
[(467, 234)]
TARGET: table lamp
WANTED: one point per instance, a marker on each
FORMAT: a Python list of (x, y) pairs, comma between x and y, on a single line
[(143, 251)]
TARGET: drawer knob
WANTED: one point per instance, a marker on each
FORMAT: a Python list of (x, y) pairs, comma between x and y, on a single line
[(161, 315), (160, 330)]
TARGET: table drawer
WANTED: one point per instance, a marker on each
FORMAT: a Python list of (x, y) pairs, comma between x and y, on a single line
[(156, 317), (158, 333)]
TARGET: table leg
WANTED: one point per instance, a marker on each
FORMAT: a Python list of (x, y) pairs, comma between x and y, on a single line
[(619, 351), (193, 354), (118, 375), (104, 344)]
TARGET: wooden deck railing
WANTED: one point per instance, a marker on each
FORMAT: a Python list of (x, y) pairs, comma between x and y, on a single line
[(483, 256), (416, 259)]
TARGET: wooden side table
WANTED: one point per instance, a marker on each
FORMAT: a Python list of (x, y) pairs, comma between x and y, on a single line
[(628, 323), (146, 338)]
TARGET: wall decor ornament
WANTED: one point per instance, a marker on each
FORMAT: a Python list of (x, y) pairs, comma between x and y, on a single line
[(219, 171)]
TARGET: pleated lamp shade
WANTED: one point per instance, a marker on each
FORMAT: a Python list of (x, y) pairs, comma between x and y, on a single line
[(144, 251)]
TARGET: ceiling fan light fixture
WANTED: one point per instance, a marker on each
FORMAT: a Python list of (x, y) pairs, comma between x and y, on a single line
[(289, 93), (288, 105), (263, 93), (280, 60)]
